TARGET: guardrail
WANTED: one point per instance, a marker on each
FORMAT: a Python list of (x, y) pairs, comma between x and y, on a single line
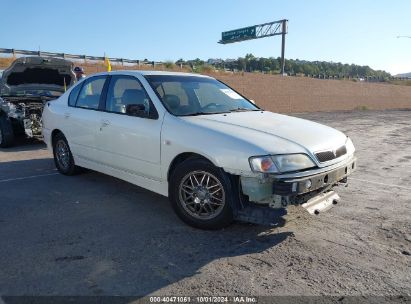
[(15, 53)]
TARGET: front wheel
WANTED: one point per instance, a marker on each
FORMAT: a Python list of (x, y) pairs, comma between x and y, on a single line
[(201, 194)]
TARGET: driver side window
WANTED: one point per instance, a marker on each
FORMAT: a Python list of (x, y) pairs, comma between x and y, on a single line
[(124, 91)]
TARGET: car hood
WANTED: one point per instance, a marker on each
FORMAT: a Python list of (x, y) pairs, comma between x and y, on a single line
[(31, 74), (275, 133)]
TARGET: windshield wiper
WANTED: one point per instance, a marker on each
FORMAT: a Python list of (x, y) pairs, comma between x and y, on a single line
[(243, 110), (203, 113)]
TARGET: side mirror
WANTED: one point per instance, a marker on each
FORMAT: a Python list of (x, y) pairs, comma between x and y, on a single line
[(138, 110)]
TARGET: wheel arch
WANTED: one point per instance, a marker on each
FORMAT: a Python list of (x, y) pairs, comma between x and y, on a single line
[(182, 157), (53, 135)]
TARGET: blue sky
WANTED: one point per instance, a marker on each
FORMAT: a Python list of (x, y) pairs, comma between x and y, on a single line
[(350, 31)]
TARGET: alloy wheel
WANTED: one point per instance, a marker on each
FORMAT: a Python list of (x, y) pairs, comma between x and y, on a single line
[(63, 154), (202, 195)]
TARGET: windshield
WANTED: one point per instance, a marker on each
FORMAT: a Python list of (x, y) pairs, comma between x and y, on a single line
[(191, 95)]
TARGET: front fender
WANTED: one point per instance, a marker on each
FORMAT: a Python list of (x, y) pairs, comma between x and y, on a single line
[(179, 136)]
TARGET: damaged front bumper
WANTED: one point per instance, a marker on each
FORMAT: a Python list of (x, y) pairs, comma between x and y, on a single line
[(311, 188)]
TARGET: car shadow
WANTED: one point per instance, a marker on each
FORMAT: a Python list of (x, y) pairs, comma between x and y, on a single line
[(25, 144), (96, 235)]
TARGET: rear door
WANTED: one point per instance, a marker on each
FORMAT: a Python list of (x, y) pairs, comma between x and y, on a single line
[(130, 143), (83, 117)]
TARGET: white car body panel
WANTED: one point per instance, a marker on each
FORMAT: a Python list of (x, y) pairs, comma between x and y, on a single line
[(141, 150), (130, 143), (274, 133)]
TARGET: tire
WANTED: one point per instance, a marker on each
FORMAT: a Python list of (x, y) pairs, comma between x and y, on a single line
[(63, 158), (204, 203), (6, 132)]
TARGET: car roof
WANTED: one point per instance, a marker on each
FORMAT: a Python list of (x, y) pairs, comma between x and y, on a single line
[(146, 73)]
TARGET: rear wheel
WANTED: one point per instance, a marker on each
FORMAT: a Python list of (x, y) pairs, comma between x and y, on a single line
[(201, 194), (63, 158), (6, 132)]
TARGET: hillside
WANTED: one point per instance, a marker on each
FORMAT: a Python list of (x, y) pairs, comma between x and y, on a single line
[(250, 63), (318, 69), (404, 75)]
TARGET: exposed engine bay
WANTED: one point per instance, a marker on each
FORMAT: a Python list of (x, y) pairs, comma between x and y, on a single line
[(25, 87), (25, 113)]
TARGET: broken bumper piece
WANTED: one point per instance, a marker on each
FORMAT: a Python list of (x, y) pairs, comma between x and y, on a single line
[(311, 189), (321, 202)]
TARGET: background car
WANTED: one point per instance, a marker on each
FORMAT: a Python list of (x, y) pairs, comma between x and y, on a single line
[(25, 87)]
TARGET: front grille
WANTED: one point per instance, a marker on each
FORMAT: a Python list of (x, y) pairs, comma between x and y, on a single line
[(325, 156)]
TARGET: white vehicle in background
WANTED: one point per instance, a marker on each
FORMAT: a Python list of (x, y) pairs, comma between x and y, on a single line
[(216, 155)]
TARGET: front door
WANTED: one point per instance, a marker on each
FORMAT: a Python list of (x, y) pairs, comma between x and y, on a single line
[(130, 143)]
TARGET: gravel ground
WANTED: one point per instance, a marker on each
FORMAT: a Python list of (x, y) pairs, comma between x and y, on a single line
[(96, 235)]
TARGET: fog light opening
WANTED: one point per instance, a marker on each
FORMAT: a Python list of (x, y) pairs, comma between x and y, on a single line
[(353, 165), (346, 170), (326, 179)]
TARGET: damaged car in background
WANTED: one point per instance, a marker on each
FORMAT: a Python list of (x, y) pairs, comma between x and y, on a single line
[(25, 87), (214, 153)]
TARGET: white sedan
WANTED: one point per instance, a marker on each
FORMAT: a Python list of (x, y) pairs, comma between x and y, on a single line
[(214, 153)]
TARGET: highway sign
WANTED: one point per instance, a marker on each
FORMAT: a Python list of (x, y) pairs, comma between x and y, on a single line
[(239, 34), (259, 31)]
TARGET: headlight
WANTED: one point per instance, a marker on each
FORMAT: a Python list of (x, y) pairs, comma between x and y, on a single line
[(281, 163), (263, 164), (350, 146)]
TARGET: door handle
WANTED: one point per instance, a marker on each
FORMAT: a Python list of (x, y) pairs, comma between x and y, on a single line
[(66, 115), (105, 123)]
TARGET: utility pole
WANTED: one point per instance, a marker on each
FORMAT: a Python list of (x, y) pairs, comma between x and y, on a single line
[(283, 32)]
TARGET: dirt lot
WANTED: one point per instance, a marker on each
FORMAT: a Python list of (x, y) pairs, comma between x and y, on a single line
[(302, 94), (96, 235)]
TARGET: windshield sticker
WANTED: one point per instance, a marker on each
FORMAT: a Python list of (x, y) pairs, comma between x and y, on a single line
[(231, 94)]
